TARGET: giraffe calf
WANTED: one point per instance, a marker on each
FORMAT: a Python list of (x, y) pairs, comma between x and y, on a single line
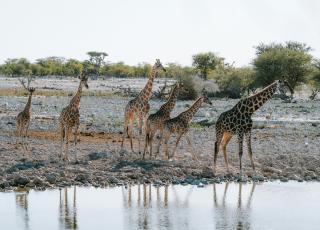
[(156, 120), (23, 118), (180, 125)]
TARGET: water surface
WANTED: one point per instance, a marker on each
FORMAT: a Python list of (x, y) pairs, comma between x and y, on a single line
[(271, 205)]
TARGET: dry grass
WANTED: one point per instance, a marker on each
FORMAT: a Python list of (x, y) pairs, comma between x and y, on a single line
[(58, 93)]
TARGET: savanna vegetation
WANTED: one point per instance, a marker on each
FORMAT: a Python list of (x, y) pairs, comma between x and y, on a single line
[(290, 61)]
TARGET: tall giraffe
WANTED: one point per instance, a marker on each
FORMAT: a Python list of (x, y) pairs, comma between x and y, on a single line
[(180, 125), (23, 118), (237, 121), (70, 118), (155, 121), (139, 107)]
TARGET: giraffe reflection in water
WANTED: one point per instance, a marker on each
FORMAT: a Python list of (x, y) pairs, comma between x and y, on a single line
[(147, 206), (67, 212), (22, 206), (225, 216)]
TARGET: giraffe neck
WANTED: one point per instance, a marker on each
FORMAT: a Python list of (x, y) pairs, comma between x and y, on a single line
[(28, 105), (146, 91), (169, 105), (75, 101), (188, 114), (254, 102)]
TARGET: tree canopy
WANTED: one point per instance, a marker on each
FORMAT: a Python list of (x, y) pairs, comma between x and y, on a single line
[(290, 61), (205, 62)]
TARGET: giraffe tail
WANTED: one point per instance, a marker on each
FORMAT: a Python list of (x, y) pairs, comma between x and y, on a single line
[(127, 131), (216, 148), (147, 139)]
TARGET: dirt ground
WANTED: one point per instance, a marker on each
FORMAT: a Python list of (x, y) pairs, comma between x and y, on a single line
[(285, 146), (279, 152)]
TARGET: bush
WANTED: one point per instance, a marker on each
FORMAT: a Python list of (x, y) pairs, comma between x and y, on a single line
[(234, 82), (189, 83), (314, 80), (290, 61), (195, 85)]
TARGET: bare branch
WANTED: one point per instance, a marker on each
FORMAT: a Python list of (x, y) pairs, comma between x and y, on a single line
[(23, 83)]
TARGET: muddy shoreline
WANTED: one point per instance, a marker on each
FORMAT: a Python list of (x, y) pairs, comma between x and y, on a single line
[(285, 146)]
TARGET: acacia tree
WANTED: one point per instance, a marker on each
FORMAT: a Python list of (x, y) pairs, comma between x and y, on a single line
[(290, 61), (314, 80), (96, 59), (205, 62)]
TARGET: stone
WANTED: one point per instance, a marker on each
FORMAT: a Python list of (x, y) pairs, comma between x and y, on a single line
[(20, 180), (38, 181), (82, 178), (51, 178)]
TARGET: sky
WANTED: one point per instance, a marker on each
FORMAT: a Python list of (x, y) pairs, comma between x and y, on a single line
[(136, 31)]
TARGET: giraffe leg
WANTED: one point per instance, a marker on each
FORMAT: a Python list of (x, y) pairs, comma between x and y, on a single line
[(17, 134), (175, 147), (146, 140), (150, 142), (248, 139), (166, 137), (144, 123), (216, 150), (130, 132), (67, 132), (240, 142), (140, 131), (194, 156), (160, 141), (26, 134), (224, 142), (62, 136), (75, 140), (145, 145), (22, 139), (125, 131)]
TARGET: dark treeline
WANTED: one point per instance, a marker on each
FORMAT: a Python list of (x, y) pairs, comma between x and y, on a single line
[(290, 61)]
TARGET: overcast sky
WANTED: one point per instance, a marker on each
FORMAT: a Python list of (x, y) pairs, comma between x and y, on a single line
[(137, 31)]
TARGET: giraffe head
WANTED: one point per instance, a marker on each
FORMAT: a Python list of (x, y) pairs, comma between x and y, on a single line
[(181, 88), (206, 100), (31, 90), (158, 65), (84, 79), (283, 85), (205, 97)]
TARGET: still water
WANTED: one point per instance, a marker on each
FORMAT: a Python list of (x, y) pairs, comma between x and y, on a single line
[(271, 205)]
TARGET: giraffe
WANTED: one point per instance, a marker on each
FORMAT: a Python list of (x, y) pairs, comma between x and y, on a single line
[(155, 121), (23, 118), (180, 125), (70, 118), (237, 121), (139, 107)]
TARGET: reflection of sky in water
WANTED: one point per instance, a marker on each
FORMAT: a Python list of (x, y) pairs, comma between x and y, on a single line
[(270, 205)]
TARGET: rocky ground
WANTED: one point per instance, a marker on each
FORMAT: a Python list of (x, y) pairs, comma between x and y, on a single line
[(285, 143)]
